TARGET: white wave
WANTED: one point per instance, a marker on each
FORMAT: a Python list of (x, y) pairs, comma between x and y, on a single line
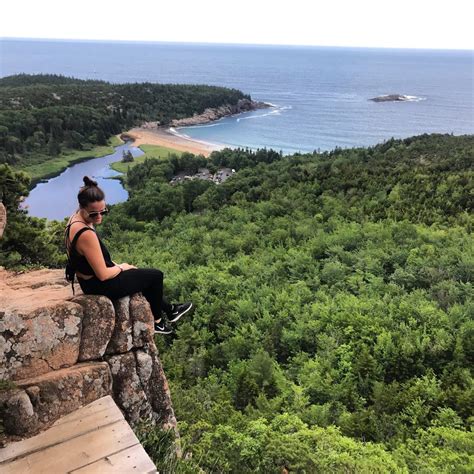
[(179, 134), (207, 125), (279, 107), (252, 117), (413, 98), (195, 140), (276, 111)]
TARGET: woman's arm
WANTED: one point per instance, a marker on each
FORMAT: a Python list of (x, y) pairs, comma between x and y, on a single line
[(89, 246)]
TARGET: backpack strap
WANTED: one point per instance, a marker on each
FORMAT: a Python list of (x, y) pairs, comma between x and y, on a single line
[(78, 234), (70, 271), (67, 242)]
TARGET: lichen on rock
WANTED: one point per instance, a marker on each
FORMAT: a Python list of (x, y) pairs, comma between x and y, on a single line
[(63, 352)]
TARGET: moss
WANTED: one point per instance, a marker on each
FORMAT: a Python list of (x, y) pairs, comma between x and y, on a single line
[(7, 385)]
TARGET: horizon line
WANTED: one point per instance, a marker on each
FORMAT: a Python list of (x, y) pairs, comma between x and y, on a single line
[(96, 40)]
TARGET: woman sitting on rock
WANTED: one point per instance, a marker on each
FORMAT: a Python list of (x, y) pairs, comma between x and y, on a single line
[(89, 259)]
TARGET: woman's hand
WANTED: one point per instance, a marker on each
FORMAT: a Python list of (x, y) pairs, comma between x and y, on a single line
[(126, 266)]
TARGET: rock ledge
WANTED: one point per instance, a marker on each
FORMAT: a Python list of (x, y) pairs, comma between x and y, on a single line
[(212, 114), (59, 353)]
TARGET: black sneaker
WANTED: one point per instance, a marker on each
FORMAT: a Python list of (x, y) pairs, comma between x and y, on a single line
[(162, 328), (178, 310)]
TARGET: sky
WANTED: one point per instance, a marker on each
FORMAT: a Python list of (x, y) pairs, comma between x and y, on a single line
[(359, 23)]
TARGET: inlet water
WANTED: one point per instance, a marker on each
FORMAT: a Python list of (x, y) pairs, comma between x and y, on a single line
[(57, 197)]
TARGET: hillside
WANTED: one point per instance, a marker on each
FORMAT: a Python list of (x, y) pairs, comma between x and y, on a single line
[(334, 323), (333, 330)]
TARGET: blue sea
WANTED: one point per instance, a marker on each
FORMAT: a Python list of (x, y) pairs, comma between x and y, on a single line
[(321, 94)]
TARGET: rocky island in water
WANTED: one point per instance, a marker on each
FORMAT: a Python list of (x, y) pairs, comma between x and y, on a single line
[(393, 98)]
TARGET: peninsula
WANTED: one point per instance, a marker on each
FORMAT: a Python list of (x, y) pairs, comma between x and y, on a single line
[(153, 133), (85, 115), (216, 113)]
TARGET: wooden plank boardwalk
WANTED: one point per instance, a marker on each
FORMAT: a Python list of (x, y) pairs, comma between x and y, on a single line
[(93, 439)]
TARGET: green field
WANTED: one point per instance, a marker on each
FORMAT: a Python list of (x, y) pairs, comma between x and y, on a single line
[(151, 151)]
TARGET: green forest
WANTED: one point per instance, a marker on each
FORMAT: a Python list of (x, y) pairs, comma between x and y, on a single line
[(45, 116), (333, 329)]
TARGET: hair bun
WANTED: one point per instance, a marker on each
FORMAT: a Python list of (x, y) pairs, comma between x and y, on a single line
[(89, 182)]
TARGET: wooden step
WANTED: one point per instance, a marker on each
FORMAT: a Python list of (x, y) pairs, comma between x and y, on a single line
[(95, 438)]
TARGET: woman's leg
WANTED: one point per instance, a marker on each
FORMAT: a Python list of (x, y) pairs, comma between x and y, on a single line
[(147, 281)]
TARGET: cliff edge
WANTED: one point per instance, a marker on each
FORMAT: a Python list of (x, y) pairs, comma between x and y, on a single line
[(59, 353)]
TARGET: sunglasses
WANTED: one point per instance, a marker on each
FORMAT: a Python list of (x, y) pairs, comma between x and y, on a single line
[(93, 215)]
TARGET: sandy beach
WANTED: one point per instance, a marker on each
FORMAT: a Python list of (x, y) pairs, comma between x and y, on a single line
[(165, 137)]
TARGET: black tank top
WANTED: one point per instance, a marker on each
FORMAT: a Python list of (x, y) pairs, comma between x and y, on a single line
[(79, 262)]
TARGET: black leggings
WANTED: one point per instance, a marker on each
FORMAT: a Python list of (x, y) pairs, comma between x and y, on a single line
[(147, 281)]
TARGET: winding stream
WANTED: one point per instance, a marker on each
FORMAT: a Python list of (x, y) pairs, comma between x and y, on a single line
[(57, 197)]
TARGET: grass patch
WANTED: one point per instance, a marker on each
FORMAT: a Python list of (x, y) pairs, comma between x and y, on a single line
[(151, 151), (115, 141), (7, 385), (162, 447), (51, 167)]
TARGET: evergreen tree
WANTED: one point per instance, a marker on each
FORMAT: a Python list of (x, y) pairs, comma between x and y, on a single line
[(127, 156), (54, 148)]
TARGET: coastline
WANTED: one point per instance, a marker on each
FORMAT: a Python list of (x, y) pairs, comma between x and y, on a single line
[(164, 136), (152, 133)]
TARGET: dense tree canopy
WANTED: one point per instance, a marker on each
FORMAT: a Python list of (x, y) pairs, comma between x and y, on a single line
[(27, 241), (334, 324)]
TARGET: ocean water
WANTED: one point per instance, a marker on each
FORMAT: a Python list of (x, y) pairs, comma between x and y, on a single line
[(321, 95)]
